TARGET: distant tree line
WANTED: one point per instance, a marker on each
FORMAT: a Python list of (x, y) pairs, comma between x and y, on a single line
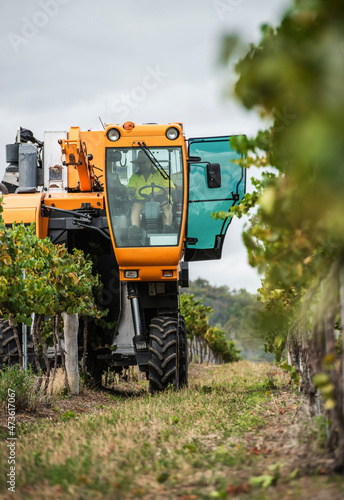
[(233, 312)]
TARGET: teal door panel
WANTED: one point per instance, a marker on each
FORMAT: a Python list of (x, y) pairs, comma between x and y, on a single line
[(205, 235)]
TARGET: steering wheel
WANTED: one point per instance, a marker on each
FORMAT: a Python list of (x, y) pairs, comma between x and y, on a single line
[(152, 187)]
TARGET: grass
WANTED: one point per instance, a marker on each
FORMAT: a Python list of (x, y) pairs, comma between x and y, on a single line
[(23, 386), (204, 442)]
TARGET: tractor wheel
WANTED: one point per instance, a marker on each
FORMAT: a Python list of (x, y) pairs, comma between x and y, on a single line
[(183, 353), (8, 346), (163, 354)]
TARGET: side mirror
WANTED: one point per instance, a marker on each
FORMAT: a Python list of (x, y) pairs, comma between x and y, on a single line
[(214, 175)]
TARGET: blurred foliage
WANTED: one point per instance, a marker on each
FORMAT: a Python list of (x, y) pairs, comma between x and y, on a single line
[(39, 277), (234, 312), (294, 78)]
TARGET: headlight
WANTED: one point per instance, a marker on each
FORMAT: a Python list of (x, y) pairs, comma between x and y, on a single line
[(131, 274), (172, 133), (113, 134)]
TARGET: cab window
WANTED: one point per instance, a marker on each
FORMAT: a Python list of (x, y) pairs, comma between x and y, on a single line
[(144, 191)]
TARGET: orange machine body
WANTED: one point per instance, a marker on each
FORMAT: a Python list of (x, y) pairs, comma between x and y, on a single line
[(151, 262), (83, 154), (138, 199)]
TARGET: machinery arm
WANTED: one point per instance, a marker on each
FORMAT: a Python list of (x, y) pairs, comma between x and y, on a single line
[(75, 154)]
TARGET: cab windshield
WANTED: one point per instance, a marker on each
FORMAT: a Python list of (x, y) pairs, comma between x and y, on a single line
[(144, 190)]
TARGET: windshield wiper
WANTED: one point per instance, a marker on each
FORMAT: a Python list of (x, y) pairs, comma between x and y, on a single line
[(154, 161)]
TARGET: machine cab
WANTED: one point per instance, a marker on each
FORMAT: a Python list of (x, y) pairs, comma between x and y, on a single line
[(145, 167), (160, 197), (145, 195)]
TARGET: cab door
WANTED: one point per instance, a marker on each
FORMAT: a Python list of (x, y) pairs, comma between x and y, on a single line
[(215, 184)]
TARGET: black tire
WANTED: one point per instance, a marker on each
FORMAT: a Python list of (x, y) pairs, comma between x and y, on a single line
[(8, 346), (183, 353), (163, 354)]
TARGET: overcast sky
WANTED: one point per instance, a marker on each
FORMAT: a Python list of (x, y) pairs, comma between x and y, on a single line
[(66, 62)]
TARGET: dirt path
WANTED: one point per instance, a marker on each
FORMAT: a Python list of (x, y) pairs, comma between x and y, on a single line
[(240, 431)]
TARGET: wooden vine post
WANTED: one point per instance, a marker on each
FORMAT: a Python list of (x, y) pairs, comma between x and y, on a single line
[(71, 325)]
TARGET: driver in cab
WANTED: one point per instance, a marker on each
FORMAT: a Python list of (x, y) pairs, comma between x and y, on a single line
[(146, 176)]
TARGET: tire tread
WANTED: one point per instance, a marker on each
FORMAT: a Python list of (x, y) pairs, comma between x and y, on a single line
[(163, 350)]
